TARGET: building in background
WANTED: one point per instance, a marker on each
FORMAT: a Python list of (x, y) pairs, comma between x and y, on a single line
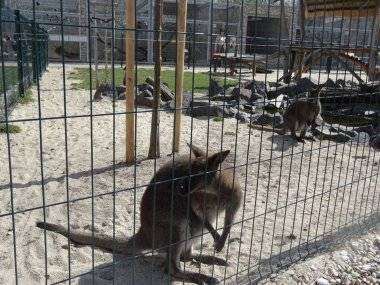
[(256, 27)]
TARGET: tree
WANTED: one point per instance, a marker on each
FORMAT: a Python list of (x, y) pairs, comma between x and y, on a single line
[(154, 148)]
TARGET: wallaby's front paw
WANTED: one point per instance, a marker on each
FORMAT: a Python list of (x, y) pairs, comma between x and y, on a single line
[(216, 237), (219, 244), (211, 281)]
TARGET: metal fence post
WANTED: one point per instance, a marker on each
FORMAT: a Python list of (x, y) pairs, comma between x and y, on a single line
[(35, 52), (20, 66)]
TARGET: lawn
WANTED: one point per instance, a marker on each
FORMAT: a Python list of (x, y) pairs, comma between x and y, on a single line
[(11, 77), (201, 80)]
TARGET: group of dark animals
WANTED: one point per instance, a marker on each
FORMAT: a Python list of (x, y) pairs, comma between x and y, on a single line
[(187, 204), (207, 190)]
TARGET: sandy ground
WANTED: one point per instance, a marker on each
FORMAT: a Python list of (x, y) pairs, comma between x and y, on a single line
[(293, 193), (354, 261)]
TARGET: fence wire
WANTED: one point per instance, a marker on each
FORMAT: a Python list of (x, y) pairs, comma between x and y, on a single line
[(274, 198)]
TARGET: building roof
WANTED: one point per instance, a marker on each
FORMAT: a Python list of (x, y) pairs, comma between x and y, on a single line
[(349, 8)]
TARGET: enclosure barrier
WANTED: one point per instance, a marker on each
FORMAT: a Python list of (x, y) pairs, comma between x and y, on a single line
[(290, 199), (26, 44)]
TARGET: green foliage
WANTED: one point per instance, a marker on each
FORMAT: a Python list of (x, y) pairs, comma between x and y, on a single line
[(217, 119), (26, 98), (10, 77), (12, 129)]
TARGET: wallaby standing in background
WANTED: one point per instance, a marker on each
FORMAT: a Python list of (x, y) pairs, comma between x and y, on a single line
[(302, 114), (166, 221)]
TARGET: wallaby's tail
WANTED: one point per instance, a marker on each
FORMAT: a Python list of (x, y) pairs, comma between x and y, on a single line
[(268, 129), (99, 241)]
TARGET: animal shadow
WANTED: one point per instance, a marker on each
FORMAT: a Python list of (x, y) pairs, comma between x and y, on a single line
[(127, 271), (282, 142)]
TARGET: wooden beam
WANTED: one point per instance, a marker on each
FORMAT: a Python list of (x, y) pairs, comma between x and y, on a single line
[(130, 80), (354, 13), (181, 39), (327, 8), (374, 44)]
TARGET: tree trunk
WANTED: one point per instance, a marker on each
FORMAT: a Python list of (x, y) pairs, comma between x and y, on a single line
[(374, 44), (301, 23), (154, 148)]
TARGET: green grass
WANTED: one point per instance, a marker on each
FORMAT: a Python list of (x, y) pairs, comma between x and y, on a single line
[(217, 119), (11, 77), (12, 129), (27, 98), (201, 80)]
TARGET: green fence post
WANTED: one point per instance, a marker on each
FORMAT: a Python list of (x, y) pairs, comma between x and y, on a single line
[(20, 66), (35, 53)]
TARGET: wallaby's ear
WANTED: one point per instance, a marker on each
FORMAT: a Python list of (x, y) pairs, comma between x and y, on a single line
[(214, 160), (196, 150)]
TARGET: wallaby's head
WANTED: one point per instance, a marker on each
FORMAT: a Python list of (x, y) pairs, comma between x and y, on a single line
[(203, 168), (315, 92)]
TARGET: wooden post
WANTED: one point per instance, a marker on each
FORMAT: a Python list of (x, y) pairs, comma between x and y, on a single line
[(130, 80), (375, 43), (301, 23), (181, 38), (154, 148), (253, 68)]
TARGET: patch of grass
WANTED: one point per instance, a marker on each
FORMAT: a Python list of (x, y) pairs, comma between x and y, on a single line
[(201, 80), (10, 77), (228, 133), (12, 129), (27, 98), (217, 119)]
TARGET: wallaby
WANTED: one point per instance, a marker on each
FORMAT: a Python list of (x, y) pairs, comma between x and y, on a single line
[(299, 115), (166, 221), (374, 142), (302, 114), (223, 194)]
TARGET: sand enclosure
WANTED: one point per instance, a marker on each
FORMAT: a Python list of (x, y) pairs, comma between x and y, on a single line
[(292, 193)]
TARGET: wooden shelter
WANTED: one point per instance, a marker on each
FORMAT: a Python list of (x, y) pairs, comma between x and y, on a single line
[(338, 8), (348, 8)]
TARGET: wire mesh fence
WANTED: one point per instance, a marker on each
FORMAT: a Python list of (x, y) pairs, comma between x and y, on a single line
[(244, 197), (24, 57)]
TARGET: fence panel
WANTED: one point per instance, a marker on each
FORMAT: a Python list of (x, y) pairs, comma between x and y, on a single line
[(24, 56), (278, 145)]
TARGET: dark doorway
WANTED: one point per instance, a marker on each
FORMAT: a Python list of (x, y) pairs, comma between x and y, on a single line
[(262, 35)]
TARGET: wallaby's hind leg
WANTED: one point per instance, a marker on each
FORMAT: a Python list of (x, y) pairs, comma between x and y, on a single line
[(205, 259), (173, 265), (303, 133), (294, 135)]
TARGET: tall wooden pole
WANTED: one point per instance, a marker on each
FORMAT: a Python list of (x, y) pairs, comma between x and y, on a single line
[(130, 79), (301, 22), (181, 38), (374, 44), (154, 148)]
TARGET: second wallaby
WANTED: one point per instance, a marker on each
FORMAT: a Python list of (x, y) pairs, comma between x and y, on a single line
[(167, 223), (302, 114)]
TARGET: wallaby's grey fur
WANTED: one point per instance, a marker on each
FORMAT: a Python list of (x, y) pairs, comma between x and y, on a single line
[(302, 114), (164, 210), (223, 194), (374, 142)]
